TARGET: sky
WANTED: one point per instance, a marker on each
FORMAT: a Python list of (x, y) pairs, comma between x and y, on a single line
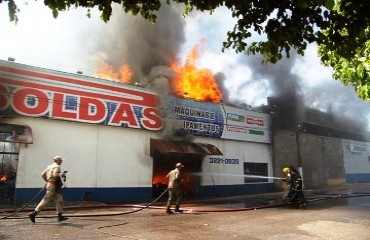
[(73, 42)]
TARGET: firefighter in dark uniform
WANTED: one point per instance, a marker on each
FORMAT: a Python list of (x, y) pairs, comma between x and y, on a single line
[(52, 176), (296, 193), (174, 188)]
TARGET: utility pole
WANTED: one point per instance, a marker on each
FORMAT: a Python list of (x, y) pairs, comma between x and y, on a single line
[(299, 158), (297, 139)]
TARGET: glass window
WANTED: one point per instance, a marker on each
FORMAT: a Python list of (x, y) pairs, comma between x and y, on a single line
[(253, 171)]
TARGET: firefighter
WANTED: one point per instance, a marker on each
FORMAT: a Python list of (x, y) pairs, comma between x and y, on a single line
[(52, 176), (296, 193), (288, 183), (174, 188)]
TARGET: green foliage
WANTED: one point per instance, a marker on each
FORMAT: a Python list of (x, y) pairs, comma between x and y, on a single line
[(345, 45), (354, 70), (340, 27), (13, 9), (287, 24)]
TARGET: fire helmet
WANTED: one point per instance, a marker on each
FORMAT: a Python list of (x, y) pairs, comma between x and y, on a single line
[(179, 165), (286, 169), (56, 158)]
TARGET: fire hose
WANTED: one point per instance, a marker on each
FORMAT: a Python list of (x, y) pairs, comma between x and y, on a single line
[(63, 179), (142, 207), (100, 229), (19, 210), (90, 215), (139, 208)]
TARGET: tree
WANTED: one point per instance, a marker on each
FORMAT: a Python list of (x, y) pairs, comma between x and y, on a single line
[(339, 27), (349, 55), (353, 69)]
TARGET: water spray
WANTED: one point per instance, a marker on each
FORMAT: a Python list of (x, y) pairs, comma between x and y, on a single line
[(237, 175)]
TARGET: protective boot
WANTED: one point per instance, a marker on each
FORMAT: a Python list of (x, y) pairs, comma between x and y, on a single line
[(177, 209), (32, 216), (168, 210), (61, 217)]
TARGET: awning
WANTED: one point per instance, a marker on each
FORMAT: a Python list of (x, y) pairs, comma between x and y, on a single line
[(164, 146)]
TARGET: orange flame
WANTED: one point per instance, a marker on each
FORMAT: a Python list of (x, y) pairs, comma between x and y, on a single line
[(107, 72), (161, 179), (197, 84), (3, 178)]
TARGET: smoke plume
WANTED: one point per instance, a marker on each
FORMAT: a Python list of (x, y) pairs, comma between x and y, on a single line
[(291, 96), (149, 49), (142, 45)]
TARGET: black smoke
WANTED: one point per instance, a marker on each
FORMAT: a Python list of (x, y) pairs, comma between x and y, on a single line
[(328, 104), (149, 49), (139, 43)]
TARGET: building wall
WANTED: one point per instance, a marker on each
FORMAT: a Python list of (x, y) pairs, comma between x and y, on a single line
[(114, 164), (356, 161), (321, 157), (284, 154), (96, 157), (225, 175), (322, 161), (230, 169)]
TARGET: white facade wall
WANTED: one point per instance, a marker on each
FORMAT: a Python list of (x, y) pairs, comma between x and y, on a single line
[(95, 156), (230, 169), (356, 156), (104, 157)]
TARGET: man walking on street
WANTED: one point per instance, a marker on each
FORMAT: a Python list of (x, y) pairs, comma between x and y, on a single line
[(174, 188), (52, 176)]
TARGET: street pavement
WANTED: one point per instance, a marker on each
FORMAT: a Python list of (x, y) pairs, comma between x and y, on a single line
[(340, 212)]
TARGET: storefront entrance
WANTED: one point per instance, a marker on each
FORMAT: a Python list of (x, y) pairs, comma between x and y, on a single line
[(165, 156), (8, 170), (164, 163), (11, 136)]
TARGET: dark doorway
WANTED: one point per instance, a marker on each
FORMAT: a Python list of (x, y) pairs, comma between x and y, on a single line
[(167, 153), (11, 136), (9, 152), (165, 162)]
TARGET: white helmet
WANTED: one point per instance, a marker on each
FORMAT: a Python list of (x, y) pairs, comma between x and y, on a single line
[(179, 165), (57, 158)]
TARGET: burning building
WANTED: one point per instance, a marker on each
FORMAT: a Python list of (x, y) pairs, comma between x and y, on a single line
[(120, 140)]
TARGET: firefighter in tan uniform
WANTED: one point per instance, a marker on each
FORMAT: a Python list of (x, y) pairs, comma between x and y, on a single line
[(174, 189), (52, 176), (287, 183)]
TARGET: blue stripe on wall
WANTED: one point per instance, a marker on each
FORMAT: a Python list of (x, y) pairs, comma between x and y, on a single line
[(108, 195), (358, 178), (121, 195)]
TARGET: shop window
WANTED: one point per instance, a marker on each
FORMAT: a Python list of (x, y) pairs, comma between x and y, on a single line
[(8, 168), (255, 172), (15, 133)]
